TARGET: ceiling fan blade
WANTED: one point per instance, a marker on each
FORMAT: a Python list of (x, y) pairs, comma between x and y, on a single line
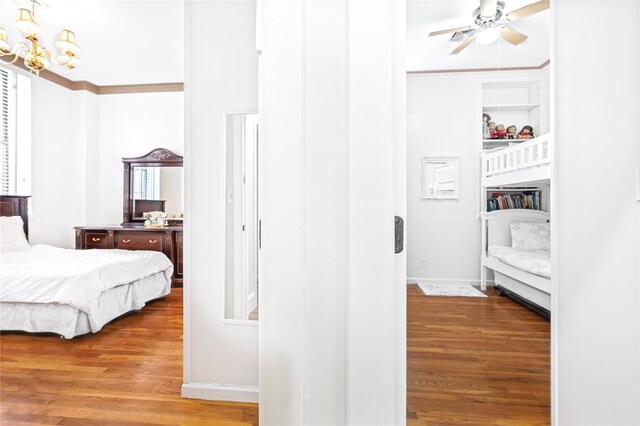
[(464, 44), (450, 30), (528, 10), (512, 36)]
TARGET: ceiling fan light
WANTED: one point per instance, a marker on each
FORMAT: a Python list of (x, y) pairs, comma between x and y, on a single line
[(487, 36), (67, 42), (26, 23)]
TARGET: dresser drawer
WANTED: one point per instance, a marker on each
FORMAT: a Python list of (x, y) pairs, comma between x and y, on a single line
[(95, 240), (140, 241)]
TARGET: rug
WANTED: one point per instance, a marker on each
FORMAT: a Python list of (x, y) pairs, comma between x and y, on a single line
[(462, 290)]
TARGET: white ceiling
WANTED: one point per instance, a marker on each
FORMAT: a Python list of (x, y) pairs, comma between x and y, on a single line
[(142, 41), (433, 53), (121, 41)]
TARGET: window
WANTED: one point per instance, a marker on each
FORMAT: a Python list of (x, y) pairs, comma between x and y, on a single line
[(15, 133), (146, 183)]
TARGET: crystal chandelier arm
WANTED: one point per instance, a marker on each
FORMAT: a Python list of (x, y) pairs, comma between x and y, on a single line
[(15, 52), (61, 68)]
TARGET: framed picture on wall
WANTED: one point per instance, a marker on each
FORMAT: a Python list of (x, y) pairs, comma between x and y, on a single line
[(440, 178)]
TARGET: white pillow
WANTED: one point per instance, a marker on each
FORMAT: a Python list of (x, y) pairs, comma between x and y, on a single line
[(530, 236), (12, 236)]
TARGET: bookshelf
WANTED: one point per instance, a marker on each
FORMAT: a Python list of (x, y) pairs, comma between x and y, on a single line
[(529, 198)]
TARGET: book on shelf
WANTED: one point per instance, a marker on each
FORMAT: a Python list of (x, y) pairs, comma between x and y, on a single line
[(521, 200)]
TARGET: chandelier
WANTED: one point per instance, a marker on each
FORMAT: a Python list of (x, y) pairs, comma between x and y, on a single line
[(37, 57)]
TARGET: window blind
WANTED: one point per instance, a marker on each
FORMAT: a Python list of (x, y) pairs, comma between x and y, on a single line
[(6, 165), (15, 133)]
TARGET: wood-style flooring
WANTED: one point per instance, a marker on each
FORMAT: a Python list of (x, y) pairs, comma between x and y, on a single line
[(130, 373), (476, 361), (471, 361)]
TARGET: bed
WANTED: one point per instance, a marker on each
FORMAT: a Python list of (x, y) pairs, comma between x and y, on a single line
[(521, 272), (70, 292), (520, 164), (517, 251)]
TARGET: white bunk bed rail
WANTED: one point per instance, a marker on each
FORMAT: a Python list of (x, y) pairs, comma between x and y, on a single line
[(525, 162)]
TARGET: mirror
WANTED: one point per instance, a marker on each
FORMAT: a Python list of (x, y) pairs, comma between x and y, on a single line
[(241, 217), (157, 189), (153, 183), (440, 177)]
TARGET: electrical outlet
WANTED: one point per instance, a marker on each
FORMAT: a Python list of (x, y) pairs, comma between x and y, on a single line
[(423, 264)]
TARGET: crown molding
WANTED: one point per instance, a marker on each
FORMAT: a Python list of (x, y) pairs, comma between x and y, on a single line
[(101, 90), (460, 70)]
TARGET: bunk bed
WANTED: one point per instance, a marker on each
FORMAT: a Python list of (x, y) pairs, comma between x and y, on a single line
[(521, 270)]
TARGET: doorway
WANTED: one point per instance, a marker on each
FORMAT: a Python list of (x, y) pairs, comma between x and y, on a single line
[(469, 348)]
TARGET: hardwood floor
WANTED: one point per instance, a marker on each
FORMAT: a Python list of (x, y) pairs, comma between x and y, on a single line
[(129, 373), (476, 361), (470, 361)]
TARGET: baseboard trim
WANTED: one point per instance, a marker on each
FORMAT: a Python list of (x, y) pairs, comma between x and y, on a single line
[(446, 281), (216, 392)]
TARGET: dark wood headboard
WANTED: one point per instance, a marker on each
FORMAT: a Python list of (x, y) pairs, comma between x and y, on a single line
[(16, 205)]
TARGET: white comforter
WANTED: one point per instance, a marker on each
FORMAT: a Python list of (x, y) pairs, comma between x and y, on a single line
[(45, 274), (537, 262)]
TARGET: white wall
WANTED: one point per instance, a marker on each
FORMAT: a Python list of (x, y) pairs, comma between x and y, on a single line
[(221, 76), (596, 331), (443, 119), (131, 125), (78, 141), (58, 158)]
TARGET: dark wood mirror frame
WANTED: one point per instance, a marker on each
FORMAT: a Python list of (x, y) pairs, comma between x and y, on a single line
[(159, 157)]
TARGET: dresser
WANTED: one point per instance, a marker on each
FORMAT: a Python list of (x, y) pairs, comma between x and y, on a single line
[(152, 182), (166, 240)]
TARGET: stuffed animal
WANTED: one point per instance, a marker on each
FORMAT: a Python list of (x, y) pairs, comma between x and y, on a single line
[(501, 133), (486, 118), (492, 130), (526, 133), (511, 132)]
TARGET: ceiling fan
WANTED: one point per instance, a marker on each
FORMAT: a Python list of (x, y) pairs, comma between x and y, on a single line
[(490, 23)]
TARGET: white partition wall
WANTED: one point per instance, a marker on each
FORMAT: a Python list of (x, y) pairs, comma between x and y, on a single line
[(595, 220), (332, 296), (221, 76)]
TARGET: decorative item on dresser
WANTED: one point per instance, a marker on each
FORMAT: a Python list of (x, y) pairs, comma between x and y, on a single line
[(152, 183)]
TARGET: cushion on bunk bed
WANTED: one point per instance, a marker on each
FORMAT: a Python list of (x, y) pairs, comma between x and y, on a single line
[(537, 262), (530, 235)]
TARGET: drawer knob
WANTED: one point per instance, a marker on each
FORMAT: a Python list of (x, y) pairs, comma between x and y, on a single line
[(126, 241), (95, 239), (153, 241)]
